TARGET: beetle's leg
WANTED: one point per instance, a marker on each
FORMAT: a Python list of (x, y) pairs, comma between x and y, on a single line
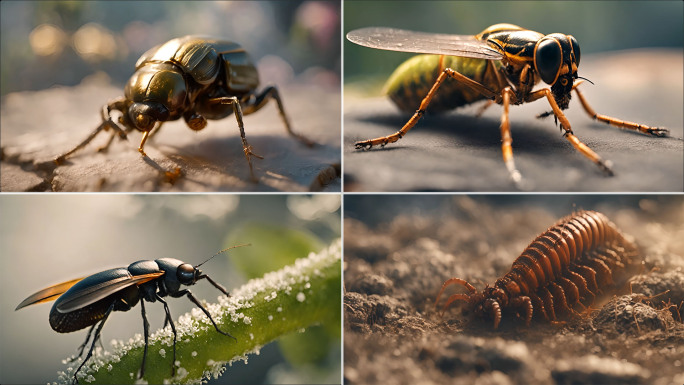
[(565, 125), (216, 285), (232, 100), (155, 130), (173, 328), (83, 345), (507, 140), (146, 334), (655, 131), (146, 134), (107, 123), (192, 298), (97, 335), (447, 73), (60, 159), (263, 98)]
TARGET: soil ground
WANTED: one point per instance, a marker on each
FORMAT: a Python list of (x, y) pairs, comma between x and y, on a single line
[(400, 249)]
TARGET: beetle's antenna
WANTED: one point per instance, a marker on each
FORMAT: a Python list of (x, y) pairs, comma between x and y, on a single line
[(579, 77), (232, 247)]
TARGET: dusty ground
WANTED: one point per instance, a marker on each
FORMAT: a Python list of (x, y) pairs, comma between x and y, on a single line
[(400, 249)]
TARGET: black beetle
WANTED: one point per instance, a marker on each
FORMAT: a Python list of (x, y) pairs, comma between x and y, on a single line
[(194, 77), (84, 302)]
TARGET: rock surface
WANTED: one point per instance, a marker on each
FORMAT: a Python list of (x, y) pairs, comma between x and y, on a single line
[(37, 126), (459, 152)]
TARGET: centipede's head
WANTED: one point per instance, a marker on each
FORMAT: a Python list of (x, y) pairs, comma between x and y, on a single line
[(485, 304)]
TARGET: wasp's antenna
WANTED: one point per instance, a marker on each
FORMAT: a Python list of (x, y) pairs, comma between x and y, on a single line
[(232, 247), (579, 77)]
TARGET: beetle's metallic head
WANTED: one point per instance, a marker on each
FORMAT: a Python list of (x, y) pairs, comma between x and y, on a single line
[(556, 58), (145, 115), (158, 93)]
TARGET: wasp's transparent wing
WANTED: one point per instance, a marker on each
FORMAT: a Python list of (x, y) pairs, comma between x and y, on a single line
[(393, 39)]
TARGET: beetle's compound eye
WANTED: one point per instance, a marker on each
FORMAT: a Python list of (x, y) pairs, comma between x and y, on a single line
[(547, 59), (186, 274), (575, 49), (145, 115)]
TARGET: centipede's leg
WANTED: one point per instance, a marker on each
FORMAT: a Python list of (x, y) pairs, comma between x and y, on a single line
[(547, 298), (446, 73), (655, 131), (524, 303), (539, 305), (602, 270), (560, 297), (581, 284), (494, 310), (572, 293), (454, 281), (453, 298)]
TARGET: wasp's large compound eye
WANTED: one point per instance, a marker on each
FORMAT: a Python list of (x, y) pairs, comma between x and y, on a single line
[(548, 55), (575, 49), (145, 115)]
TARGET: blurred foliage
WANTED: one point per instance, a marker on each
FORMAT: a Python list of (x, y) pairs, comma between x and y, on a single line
[(294, 38), (599, 26), (272, 247)]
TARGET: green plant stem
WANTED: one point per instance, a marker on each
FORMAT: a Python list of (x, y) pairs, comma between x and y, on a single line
[(290, 299)]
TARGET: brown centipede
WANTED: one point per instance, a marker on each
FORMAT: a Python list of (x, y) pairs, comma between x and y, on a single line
[(564, 268)]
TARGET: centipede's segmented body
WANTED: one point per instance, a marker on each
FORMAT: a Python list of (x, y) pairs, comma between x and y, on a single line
[(562, 270)]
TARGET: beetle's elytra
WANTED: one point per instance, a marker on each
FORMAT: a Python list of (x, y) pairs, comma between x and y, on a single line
[(193, 77), (88, 301), (502, 64), (564, 269)]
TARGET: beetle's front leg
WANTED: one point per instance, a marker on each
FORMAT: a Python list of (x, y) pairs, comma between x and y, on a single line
[(107, 123), (655, 131), (263, 98), (232, 100), (447, 73), (565, 125)]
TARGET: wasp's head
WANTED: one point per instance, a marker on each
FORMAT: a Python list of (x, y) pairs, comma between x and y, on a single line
[(556, 58)]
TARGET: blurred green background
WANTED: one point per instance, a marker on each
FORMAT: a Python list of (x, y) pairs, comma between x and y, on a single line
[(599, 26), (47, 239), (48, 43)]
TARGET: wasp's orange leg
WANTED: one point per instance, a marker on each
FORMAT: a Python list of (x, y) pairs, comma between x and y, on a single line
[(655, 131), (506, 139), (565, 125), (447, 73)]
